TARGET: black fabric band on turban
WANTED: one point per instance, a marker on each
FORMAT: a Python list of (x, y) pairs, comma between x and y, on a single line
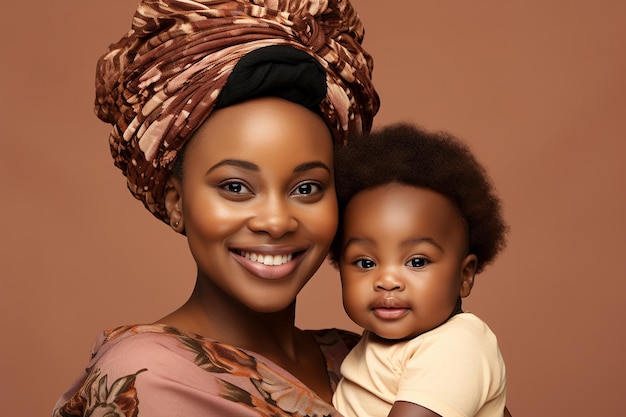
[(278, 71), (181, 58)]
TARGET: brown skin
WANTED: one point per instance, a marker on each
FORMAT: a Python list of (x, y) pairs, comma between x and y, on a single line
[(404, 265), (298, 212), (405, 262), (405, 409), (257, 180)]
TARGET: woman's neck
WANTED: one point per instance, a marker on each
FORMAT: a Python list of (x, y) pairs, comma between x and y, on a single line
[(211, 313)]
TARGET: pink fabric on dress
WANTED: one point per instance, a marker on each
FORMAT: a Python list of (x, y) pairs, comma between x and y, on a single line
[(157, 370)]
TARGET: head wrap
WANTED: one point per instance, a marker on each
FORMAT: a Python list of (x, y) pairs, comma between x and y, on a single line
[(164, 77)]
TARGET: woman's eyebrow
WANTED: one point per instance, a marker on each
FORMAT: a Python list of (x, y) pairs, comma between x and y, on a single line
[(310, 165), (254, 167), (235, 162)]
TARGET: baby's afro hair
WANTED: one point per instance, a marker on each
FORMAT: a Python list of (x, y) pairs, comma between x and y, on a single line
[(406, 154)]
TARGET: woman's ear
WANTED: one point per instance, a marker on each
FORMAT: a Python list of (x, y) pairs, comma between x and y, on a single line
[(174, 204), (468, 271)]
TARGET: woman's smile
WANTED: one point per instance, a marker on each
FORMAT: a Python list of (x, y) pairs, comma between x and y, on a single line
[(267, 266), (267, 259), (269, 263)]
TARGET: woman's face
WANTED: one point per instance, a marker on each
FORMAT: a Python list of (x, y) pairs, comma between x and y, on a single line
[(405, 263), (257, 201)]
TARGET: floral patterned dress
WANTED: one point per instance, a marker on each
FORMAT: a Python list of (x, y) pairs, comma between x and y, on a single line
[(158, 370)]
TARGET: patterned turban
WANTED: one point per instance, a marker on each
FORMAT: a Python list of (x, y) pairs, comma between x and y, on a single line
[(163, 78)]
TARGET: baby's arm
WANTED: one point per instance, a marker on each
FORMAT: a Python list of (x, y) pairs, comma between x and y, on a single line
[(406, 409)]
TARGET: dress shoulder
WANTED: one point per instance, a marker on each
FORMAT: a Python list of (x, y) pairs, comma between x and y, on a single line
[(335, 344), (158, 370)]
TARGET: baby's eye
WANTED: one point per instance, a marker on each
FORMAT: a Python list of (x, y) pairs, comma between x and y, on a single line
[(365, 263), (307, 188), (418, 262)]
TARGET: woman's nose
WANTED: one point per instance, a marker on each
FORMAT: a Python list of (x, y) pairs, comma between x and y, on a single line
[(273, 216)]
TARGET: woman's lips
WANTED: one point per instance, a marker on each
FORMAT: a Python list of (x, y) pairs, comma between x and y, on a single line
[(267, 265), (267, 259)]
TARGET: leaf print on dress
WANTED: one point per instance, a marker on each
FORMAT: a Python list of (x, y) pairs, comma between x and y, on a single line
[(220, 358), (280, 395), (290, 394), (96, 399)]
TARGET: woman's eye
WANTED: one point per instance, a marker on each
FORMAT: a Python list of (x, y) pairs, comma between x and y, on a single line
[(236, 188), (307, 188), (365, 263), (417, 263)]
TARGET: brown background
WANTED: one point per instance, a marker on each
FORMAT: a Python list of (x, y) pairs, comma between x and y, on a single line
[(538, 89)]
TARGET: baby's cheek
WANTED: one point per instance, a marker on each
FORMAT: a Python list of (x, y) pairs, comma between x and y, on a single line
[(355, 298)]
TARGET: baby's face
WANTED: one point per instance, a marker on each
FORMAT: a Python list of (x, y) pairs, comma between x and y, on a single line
[(405, 262)]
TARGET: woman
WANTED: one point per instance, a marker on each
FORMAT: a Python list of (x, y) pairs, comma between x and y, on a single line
[(224, 116)]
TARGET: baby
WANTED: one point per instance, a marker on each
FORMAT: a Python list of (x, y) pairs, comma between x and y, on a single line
[(419, 219)]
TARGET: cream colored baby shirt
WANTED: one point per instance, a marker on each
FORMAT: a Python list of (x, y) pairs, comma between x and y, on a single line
[(455, 370)]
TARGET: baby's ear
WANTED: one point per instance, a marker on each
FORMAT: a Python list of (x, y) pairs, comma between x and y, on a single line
[(468, 271), (174, 204)]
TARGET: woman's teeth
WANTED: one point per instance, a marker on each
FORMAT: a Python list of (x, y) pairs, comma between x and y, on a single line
[(266, 259)]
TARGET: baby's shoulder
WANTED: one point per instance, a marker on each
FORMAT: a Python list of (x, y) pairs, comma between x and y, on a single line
[(462, 333)]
